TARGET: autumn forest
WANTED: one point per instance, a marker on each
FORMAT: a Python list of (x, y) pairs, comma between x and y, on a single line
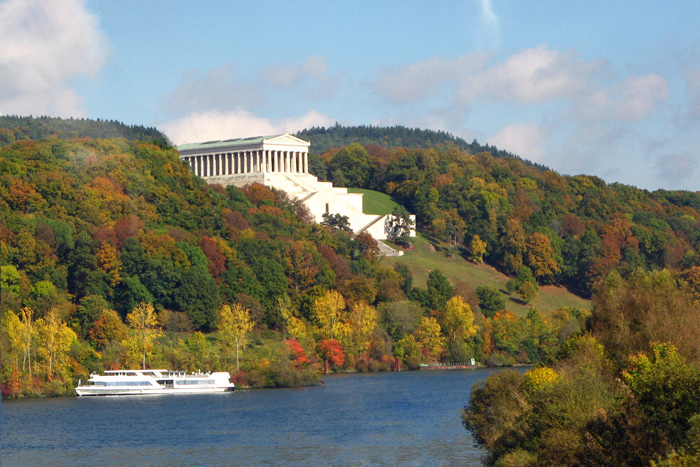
[(114, 255)]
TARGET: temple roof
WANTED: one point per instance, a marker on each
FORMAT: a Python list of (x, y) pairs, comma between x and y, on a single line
[(284, 138)]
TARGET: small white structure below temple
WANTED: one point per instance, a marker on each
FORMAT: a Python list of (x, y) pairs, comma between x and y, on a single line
[(281, 162)]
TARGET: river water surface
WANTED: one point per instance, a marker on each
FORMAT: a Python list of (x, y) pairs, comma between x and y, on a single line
[(407, 418)]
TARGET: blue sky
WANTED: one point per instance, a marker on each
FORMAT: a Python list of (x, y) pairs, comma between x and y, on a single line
[(606, 88)]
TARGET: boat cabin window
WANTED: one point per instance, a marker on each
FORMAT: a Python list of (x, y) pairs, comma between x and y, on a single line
[(184, 382)]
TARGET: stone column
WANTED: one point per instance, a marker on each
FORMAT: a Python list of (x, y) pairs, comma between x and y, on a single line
[(306, 162)]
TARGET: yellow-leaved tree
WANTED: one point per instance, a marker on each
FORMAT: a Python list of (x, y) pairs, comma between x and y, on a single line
[(430, 338), (234, 323), (143, 322), (458, 320), (478, 249), (329, 310), (12, 326), (55, 339), (358, 328)]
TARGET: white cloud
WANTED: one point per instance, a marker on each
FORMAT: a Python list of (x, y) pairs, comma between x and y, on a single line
[(240, 123), (630, 100), (44, 45), (531, 76), (523, 139)]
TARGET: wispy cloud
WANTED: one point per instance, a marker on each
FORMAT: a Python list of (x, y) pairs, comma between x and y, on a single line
[(629, 100), (312, 78), (489, 32), (421, 80), (675, 167), (215, 89)]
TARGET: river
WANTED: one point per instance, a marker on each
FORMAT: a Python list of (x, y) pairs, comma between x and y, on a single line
[(406, 418)]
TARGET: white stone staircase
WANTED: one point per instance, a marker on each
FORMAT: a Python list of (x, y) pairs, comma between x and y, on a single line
[(386, 250)]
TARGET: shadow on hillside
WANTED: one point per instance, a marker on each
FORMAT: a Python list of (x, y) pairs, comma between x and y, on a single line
[(518, 301)]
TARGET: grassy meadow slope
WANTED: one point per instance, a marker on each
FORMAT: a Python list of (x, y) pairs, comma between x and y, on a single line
[(425, 258), (375, 202)]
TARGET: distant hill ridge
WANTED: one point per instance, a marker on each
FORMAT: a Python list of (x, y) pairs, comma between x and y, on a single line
[(322, 139), (15, 128)]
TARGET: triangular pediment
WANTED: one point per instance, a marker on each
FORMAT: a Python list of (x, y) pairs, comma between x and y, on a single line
[(286, 139)]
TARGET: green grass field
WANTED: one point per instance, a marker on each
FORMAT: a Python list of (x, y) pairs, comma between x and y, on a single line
[(422, 261), (374, 202)]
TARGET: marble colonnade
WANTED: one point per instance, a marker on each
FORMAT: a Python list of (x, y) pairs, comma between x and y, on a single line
[(243, 162)]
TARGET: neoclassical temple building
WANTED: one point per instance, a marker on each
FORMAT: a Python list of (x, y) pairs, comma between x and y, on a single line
[(282, 162)]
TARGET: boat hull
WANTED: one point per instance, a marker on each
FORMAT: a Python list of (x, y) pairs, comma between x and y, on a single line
[(93, 391)]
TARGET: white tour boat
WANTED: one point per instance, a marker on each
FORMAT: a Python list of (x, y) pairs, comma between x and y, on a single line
[(142, 382)]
